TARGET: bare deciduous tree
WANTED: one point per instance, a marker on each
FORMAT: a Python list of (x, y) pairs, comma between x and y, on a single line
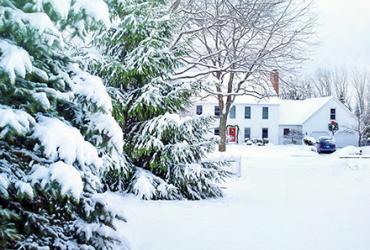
[(323, 82), (294, 136), (332, 82), (341, 84), (234, 44), (361, 85), (296, 88)]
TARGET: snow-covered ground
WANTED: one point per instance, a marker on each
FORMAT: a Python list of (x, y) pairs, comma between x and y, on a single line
[(287, 198)]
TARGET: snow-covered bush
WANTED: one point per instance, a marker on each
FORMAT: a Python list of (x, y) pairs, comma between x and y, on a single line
[(310, 141), (57, 134), (167, 153), (248, 142)]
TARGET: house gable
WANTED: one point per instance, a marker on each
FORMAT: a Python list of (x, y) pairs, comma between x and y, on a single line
[(296, 112), (345, 117), (317, 124), (318, 108)]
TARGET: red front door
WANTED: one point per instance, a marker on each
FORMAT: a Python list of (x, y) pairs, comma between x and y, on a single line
[(232, 134)]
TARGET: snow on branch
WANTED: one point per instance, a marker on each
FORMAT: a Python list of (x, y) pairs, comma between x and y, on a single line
[(39, 23), (93, 229), (24, 188), (143, 184), (152, 131), (61, 7), (14, 60), (147, 186), (14, 120), (92, 88), (61, 141), (105, 124), (96, 9), (67, 176)]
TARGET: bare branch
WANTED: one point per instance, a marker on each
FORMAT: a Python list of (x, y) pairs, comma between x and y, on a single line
[(234, 44)]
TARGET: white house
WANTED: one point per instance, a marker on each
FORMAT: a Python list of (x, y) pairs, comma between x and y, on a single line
[(283, 121), (249, 117), (311, 117)]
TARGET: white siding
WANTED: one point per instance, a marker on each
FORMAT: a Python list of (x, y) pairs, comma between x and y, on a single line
[(317, 124), (256, 123)]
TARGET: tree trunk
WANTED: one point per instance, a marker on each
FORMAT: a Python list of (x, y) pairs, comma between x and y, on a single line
[(224, 110), (359, 133), (359, 139), (223, 133)]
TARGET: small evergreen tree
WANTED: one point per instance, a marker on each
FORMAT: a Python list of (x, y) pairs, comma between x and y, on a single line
[(57, 134), (168, 153)]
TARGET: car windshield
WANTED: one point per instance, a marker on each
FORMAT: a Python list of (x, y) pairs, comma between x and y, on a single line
[(326, 139)]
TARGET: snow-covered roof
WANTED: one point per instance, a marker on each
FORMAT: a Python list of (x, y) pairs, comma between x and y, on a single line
[(243, 99), (272, 100), (294, 112)]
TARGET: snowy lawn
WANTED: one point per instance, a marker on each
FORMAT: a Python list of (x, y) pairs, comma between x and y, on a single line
[(287, 198)]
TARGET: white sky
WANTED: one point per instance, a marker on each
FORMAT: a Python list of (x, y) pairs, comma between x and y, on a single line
[(344, 34)]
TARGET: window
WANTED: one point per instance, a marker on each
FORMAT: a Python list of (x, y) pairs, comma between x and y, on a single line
[(199, 109), (247, 112), (232, 112), (217, 131), (247, 133), (217, 111), (286, 131), (332, 114), (265, 113), (265, 133)]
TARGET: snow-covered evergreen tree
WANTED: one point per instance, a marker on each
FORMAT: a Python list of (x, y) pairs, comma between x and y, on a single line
[(57, 133), (168, 153)]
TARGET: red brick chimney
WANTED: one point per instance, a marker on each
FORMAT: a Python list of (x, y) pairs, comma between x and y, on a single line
[(274, 78)]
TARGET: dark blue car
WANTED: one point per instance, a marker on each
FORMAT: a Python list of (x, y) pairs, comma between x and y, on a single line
[(326, 144)]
